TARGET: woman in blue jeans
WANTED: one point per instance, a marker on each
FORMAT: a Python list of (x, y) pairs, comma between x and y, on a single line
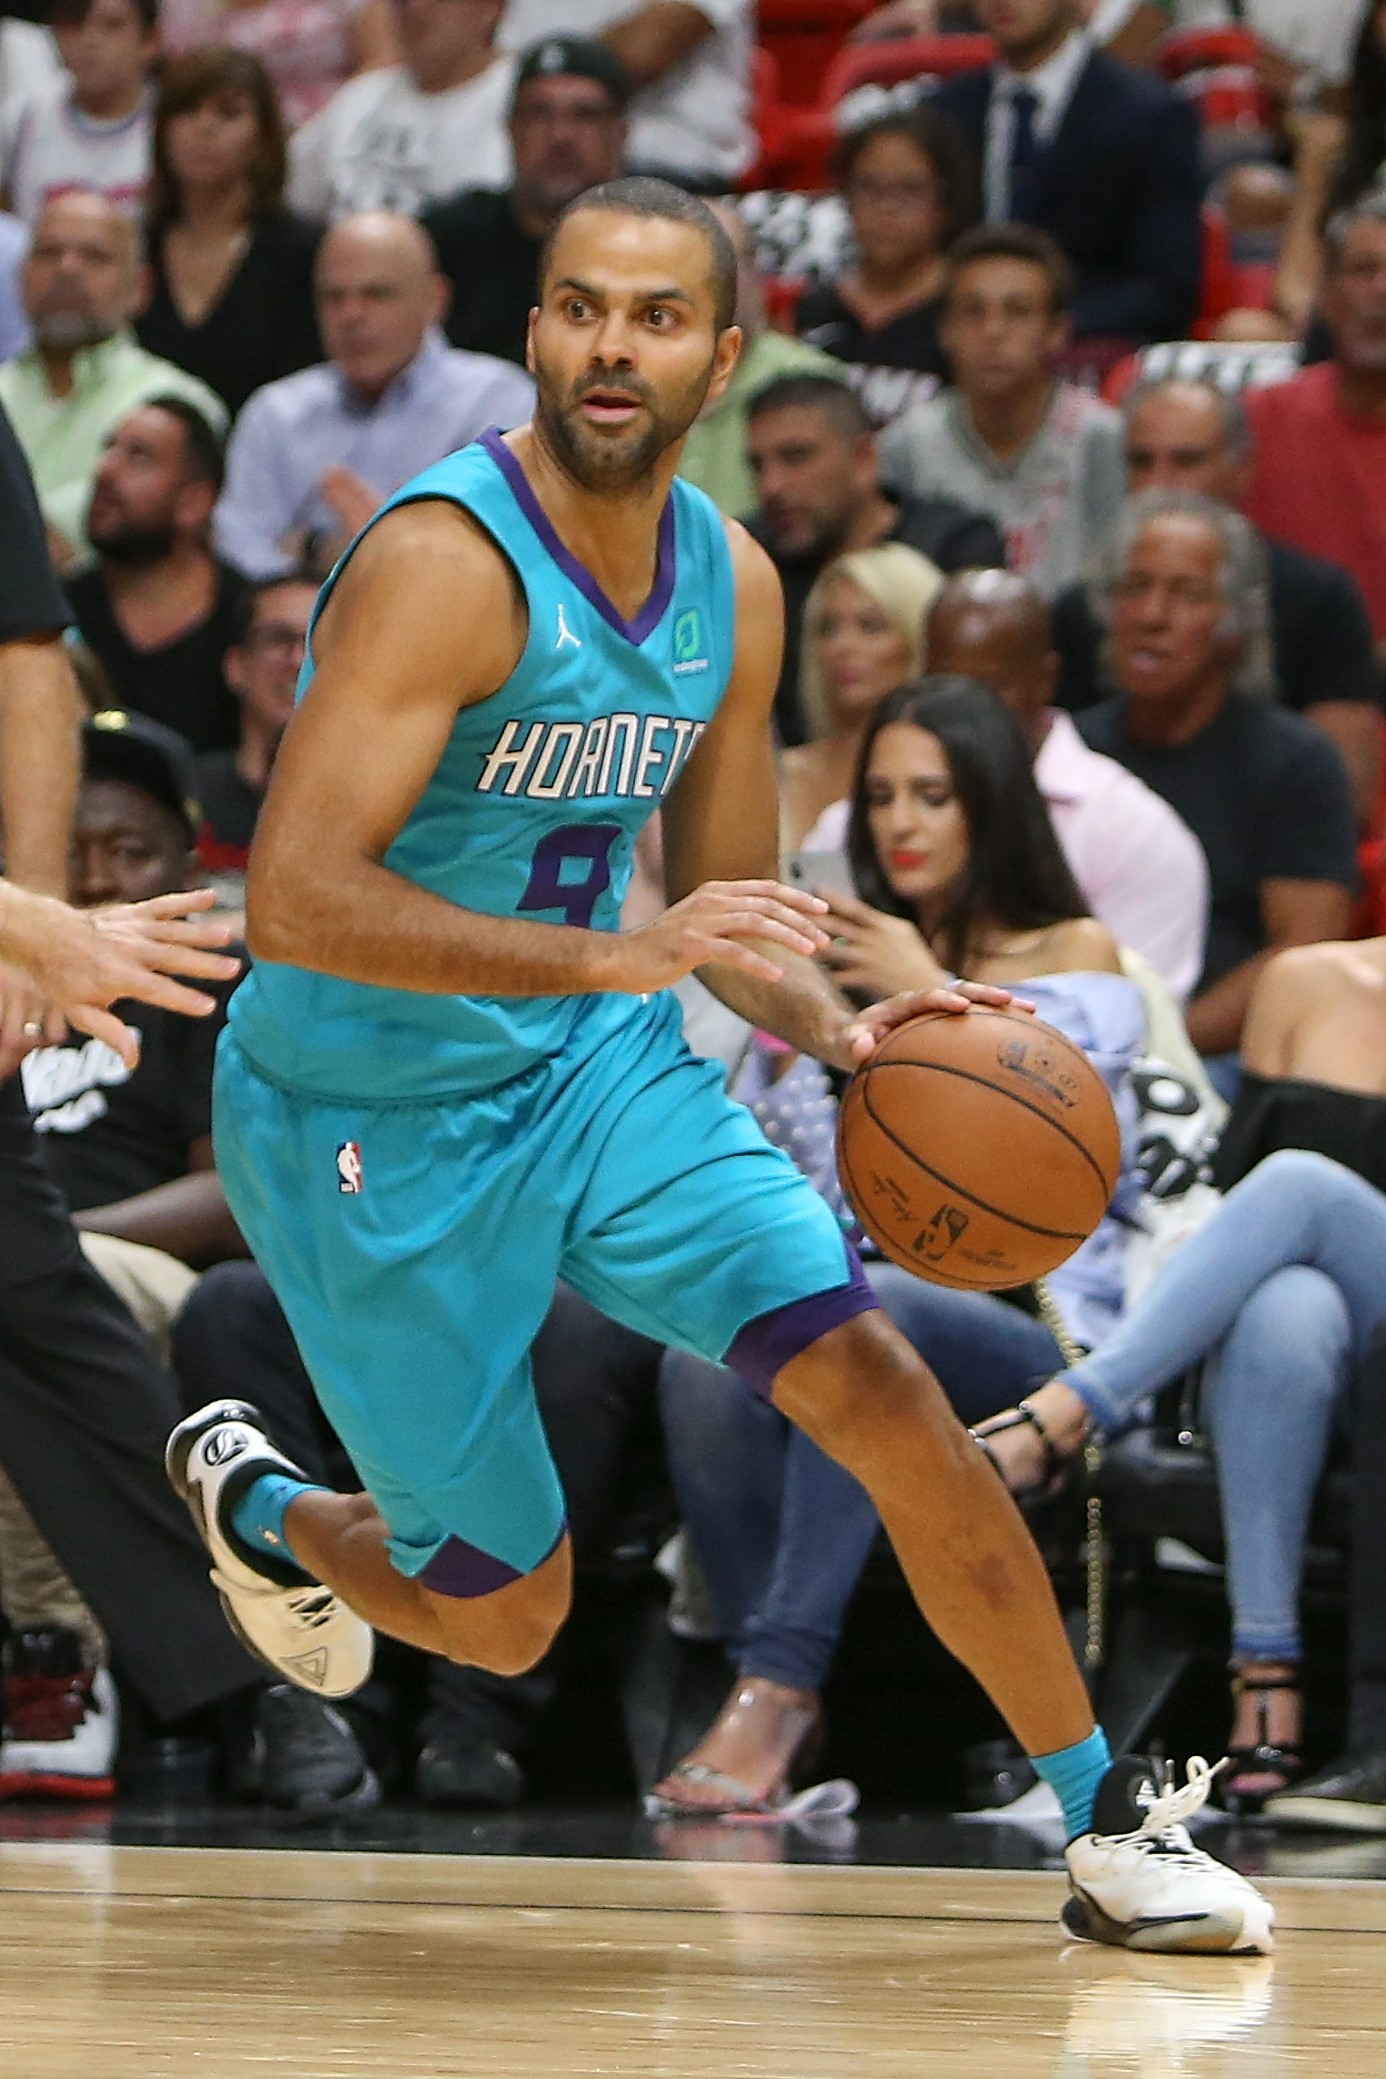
[(959, 871), (1281, 1289)]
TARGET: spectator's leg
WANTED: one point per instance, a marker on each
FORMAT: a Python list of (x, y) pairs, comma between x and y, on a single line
[(1367, 1695), (35, 1590), (84, 1412), (153, 1284), (1273, 1390), (232, 1342)]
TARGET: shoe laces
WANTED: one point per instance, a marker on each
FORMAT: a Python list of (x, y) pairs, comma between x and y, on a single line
[(313, 1606), (1163, 1829)]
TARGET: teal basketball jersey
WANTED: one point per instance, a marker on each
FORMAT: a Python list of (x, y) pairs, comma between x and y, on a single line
[(535, 805)]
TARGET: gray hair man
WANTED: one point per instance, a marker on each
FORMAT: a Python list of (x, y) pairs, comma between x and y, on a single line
[(1183, 595), (1186, 434)]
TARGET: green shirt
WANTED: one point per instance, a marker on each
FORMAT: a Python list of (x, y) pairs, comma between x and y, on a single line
[(64, 437), (714, 455)]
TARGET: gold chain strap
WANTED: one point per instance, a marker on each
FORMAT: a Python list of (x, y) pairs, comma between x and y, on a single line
[(1095, 1640)]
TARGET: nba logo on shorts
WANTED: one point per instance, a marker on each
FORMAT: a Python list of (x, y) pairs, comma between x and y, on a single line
[(349, 1174)]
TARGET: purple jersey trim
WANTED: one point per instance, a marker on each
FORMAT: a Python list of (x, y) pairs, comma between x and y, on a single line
[(465, 1572), (652, 612), (770, 1342)]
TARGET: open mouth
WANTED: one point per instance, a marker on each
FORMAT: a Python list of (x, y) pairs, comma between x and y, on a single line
[(609, 407)]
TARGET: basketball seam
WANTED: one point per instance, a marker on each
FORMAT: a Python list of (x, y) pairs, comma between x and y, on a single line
[(1053, 1234), (967, 1075)]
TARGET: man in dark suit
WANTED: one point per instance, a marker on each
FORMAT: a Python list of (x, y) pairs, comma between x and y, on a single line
[(1103, 158)]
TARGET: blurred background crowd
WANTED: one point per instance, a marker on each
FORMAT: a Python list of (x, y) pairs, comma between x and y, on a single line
[(1061, 412)]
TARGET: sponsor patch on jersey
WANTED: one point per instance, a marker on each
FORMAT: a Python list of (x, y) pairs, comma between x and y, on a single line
[(689, 655)]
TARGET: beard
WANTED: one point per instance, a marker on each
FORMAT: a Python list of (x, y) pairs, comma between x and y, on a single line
[(67, 331), (613, 461), (134, 547)]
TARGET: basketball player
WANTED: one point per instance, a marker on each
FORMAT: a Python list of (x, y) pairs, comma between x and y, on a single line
[(452, 1078)]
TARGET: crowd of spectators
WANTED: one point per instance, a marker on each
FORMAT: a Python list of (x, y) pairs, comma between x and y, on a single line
[(1082, 690)]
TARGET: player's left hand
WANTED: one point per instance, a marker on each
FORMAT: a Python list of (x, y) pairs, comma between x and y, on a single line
[(869, 1027)]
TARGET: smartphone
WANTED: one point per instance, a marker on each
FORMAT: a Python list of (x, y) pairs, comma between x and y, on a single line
[(821, 873)]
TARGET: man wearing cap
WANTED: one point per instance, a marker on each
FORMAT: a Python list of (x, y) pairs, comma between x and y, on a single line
[(567, 134), (689, 66), (131, 1149), (404, 135)]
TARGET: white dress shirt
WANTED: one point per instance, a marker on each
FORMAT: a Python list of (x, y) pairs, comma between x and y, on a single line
[(1052, 85)]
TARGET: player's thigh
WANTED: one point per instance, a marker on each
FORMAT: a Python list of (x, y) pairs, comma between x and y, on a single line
[(694, 1231), (414, 1295)]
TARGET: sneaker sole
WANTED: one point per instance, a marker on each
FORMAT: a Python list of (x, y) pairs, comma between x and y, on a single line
[(1084, 1921), (88, 1790), (1337, 1815), (318, 1810)]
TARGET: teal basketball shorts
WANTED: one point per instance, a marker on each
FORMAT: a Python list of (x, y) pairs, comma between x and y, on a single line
[(414, 1248)]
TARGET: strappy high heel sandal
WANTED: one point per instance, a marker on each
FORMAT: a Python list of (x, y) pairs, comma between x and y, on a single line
[(1059, 1465), (723, 1796), (1283, 1759)]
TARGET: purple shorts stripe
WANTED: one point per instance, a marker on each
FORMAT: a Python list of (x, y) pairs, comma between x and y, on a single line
[(770, 1342), (465, 1572)]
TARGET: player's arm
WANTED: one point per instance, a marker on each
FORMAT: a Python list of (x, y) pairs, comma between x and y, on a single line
[(722, 821), (426, 619)]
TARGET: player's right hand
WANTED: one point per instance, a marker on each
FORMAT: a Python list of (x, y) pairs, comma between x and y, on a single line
[(723, 923), (85, 960)]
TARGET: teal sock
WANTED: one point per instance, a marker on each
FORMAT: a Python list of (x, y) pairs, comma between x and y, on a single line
[(258, 1517), (1073, 1774)]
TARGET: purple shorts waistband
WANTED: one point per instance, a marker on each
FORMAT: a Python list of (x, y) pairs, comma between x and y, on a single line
[(766, 1345)]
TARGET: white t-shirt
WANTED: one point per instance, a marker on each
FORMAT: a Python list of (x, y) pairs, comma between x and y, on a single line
[(697, 119), (47, 146), (381, 144), (28, 59), (1320, 35)]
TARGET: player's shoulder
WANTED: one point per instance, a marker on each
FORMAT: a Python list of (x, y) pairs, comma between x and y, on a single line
[(425, 534), (753, 573)]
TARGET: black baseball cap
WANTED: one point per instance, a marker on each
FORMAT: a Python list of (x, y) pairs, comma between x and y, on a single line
[(118, 745), (576, 57)]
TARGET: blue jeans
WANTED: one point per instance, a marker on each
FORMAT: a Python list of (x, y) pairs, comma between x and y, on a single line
[(1280, 1291), (781, 1532)]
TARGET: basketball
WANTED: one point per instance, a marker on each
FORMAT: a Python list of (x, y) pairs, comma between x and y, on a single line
[(978, 1150)]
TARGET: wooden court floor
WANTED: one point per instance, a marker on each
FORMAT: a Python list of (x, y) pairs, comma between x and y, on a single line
[(132, 1963)]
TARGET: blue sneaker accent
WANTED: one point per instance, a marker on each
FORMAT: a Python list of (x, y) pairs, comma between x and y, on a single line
[(1074, 1775)]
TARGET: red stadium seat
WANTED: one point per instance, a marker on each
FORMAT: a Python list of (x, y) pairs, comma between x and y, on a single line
[(1216, 70), (803, 37), (888, 62), (1219, 292)]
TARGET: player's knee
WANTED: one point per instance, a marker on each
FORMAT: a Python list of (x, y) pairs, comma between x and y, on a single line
[(509, 1631), (861, 1377)]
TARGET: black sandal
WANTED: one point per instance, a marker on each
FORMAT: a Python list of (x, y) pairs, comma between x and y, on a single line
[(1268, 1757), (1059, 1465)]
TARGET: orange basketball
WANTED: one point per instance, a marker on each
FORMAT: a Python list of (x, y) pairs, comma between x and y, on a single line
[(978, 1150)]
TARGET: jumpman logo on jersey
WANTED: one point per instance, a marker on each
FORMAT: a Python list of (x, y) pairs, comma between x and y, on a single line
[(565, 633)]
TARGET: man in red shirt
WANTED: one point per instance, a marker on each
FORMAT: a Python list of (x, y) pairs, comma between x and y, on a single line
[(1320, 477)]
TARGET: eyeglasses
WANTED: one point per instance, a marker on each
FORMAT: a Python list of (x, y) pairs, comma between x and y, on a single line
[(276, 635), (895, 194)]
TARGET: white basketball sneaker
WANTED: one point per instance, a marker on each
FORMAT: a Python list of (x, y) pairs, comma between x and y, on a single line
[(1138, 1882), (305, 1632)]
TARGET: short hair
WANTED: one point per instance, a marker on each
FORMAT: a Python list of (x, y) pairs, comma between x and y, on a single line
[(1341, 225), (202, 444), (896, 578), (937, 139), (248, 604), (1242, 571), (640, 195), (830, 394), (189, 82), (70, 14), (1013, 242), (1233, 423)]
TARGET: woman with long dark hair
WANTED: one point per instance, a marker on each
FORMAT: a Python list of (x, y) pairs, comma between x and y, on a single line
[(232, 295), (1339, 159), (958, 871)]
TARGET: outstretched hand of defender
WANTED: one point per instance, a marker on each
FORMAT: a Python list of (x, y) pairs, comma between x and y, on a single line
[(84, 961), (725, 923), (870, 1026)]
